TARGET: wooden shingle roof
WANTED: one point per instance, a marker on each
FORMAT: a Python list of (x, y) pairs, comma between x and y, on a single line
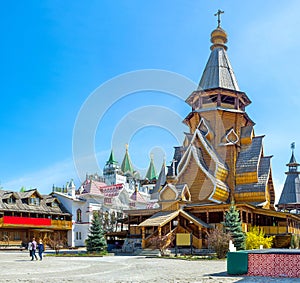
[(249, 157), (263, 177), (21, 205)]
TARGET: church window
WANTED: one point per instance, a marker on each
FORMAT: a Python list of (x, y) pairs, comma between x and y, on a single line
[(78, 235), (79, 219)]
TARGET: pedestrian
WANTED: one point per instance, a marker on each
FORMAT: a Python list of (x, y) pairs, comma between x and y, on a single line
[(41, 249), (29, 247), (34, 246)]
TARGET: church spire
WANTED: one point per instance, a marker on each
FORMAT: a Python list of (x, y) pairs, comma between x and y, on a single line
[(126, 166), (293, 165), (290, 195), (111, 159), (218, 72), (151, 172)]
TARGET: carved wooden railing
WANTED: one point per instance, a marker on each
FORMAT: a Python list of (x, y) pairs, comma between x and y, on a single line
[(169, 238), (148, 238)]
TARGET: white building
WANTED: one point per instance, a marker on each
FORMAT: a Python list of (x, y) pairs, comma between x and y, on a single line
[(110, 196)]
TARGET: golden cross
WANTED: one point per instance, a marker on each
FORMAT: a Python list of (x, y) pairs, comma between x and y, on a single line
[(219, 16)]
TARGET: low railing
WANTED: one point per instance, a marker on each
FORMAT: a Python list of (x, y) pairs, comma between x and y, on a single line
[(148, 238), (170, 237), (274, 230), (61, 224)]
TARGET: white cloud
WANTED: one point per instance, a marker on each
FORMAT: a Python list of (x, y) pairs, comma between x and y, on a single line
[(57, 174)]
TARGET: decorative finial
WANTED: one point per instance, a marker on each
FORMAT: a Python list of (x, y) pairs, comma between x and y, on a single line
[(219, 16), (126, 146), (293, 146)]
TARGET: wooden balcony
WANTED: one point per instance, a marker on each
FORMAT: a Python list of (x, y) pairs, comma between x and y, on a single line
[(16, 221)]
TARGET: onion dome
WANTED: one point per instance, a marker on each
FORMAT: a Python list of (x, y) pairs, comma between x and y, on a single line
[(218, 38)]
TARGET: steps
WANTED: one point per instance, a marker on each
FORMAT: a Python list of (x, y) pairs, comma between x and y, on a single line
[(148, 252)]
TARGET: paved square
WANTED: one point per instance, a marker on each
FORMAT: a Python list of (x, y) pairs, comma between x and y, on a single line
[(17, 267)]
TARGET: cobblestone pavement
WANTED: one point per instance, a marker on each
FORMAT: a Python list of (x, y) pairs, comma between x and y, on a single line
[(17, 267)]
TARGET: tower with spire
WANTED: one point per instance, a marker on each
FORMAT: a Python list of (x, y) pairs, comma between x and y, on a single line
[(221, 158), (290, 196), (126, 166), (221, 161), (112, 172)]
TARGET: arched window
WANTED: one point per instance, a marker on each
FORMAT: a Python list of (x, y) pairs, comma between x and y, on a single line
[(78, 215)]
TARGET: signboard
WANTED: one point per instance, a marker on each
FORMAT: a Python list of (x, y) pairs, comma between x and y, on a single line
[(183, 239)]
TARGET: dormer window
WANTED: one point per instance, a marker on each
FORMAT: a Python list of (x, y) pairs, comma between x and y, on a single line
[(10, 200), (34, 201), (54, 204)]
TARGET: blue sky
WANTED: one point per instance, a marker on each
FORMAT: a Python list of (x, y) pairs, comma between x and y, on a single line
[(55, 54)]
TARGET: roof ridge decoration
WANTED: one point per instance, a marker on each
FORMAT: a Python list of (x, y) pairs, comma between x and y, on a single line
[(205, 129), (231, 138)]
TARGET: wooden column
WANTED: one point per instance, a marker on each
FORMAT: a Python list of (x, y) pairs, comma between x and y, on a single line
[(143, 238), (219, 100), (159, 232), (200, 238)]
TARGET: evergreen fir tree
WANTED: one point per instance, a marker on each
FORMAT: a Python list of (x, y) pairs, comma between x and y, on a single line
[(96, 241), (233, 225)]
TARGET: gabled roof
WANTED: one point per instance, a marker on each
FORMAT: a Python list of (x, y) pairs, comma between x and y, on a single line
[(92, 187), (248, 159), (218, 72), (159, 219), (179, 191), (197, 152), (136, 196), (23, 206)]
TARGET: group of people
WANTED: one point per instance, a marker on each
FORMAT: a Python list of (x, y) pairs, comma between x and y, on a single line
[(33, 246)]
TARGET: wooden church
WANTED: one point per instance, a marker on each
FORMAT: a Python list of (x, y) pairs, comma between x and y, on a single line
[(221, 160)]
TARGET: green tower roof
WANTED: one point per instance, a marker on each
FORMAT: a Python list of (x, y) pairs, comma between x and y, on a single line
[(111, 159), (151, 173), (126, 164)]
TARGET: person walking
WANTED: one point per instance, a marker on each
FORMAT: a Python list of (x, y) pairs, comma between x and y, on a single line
[(41, 249), (34, 246), (29, 247)]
